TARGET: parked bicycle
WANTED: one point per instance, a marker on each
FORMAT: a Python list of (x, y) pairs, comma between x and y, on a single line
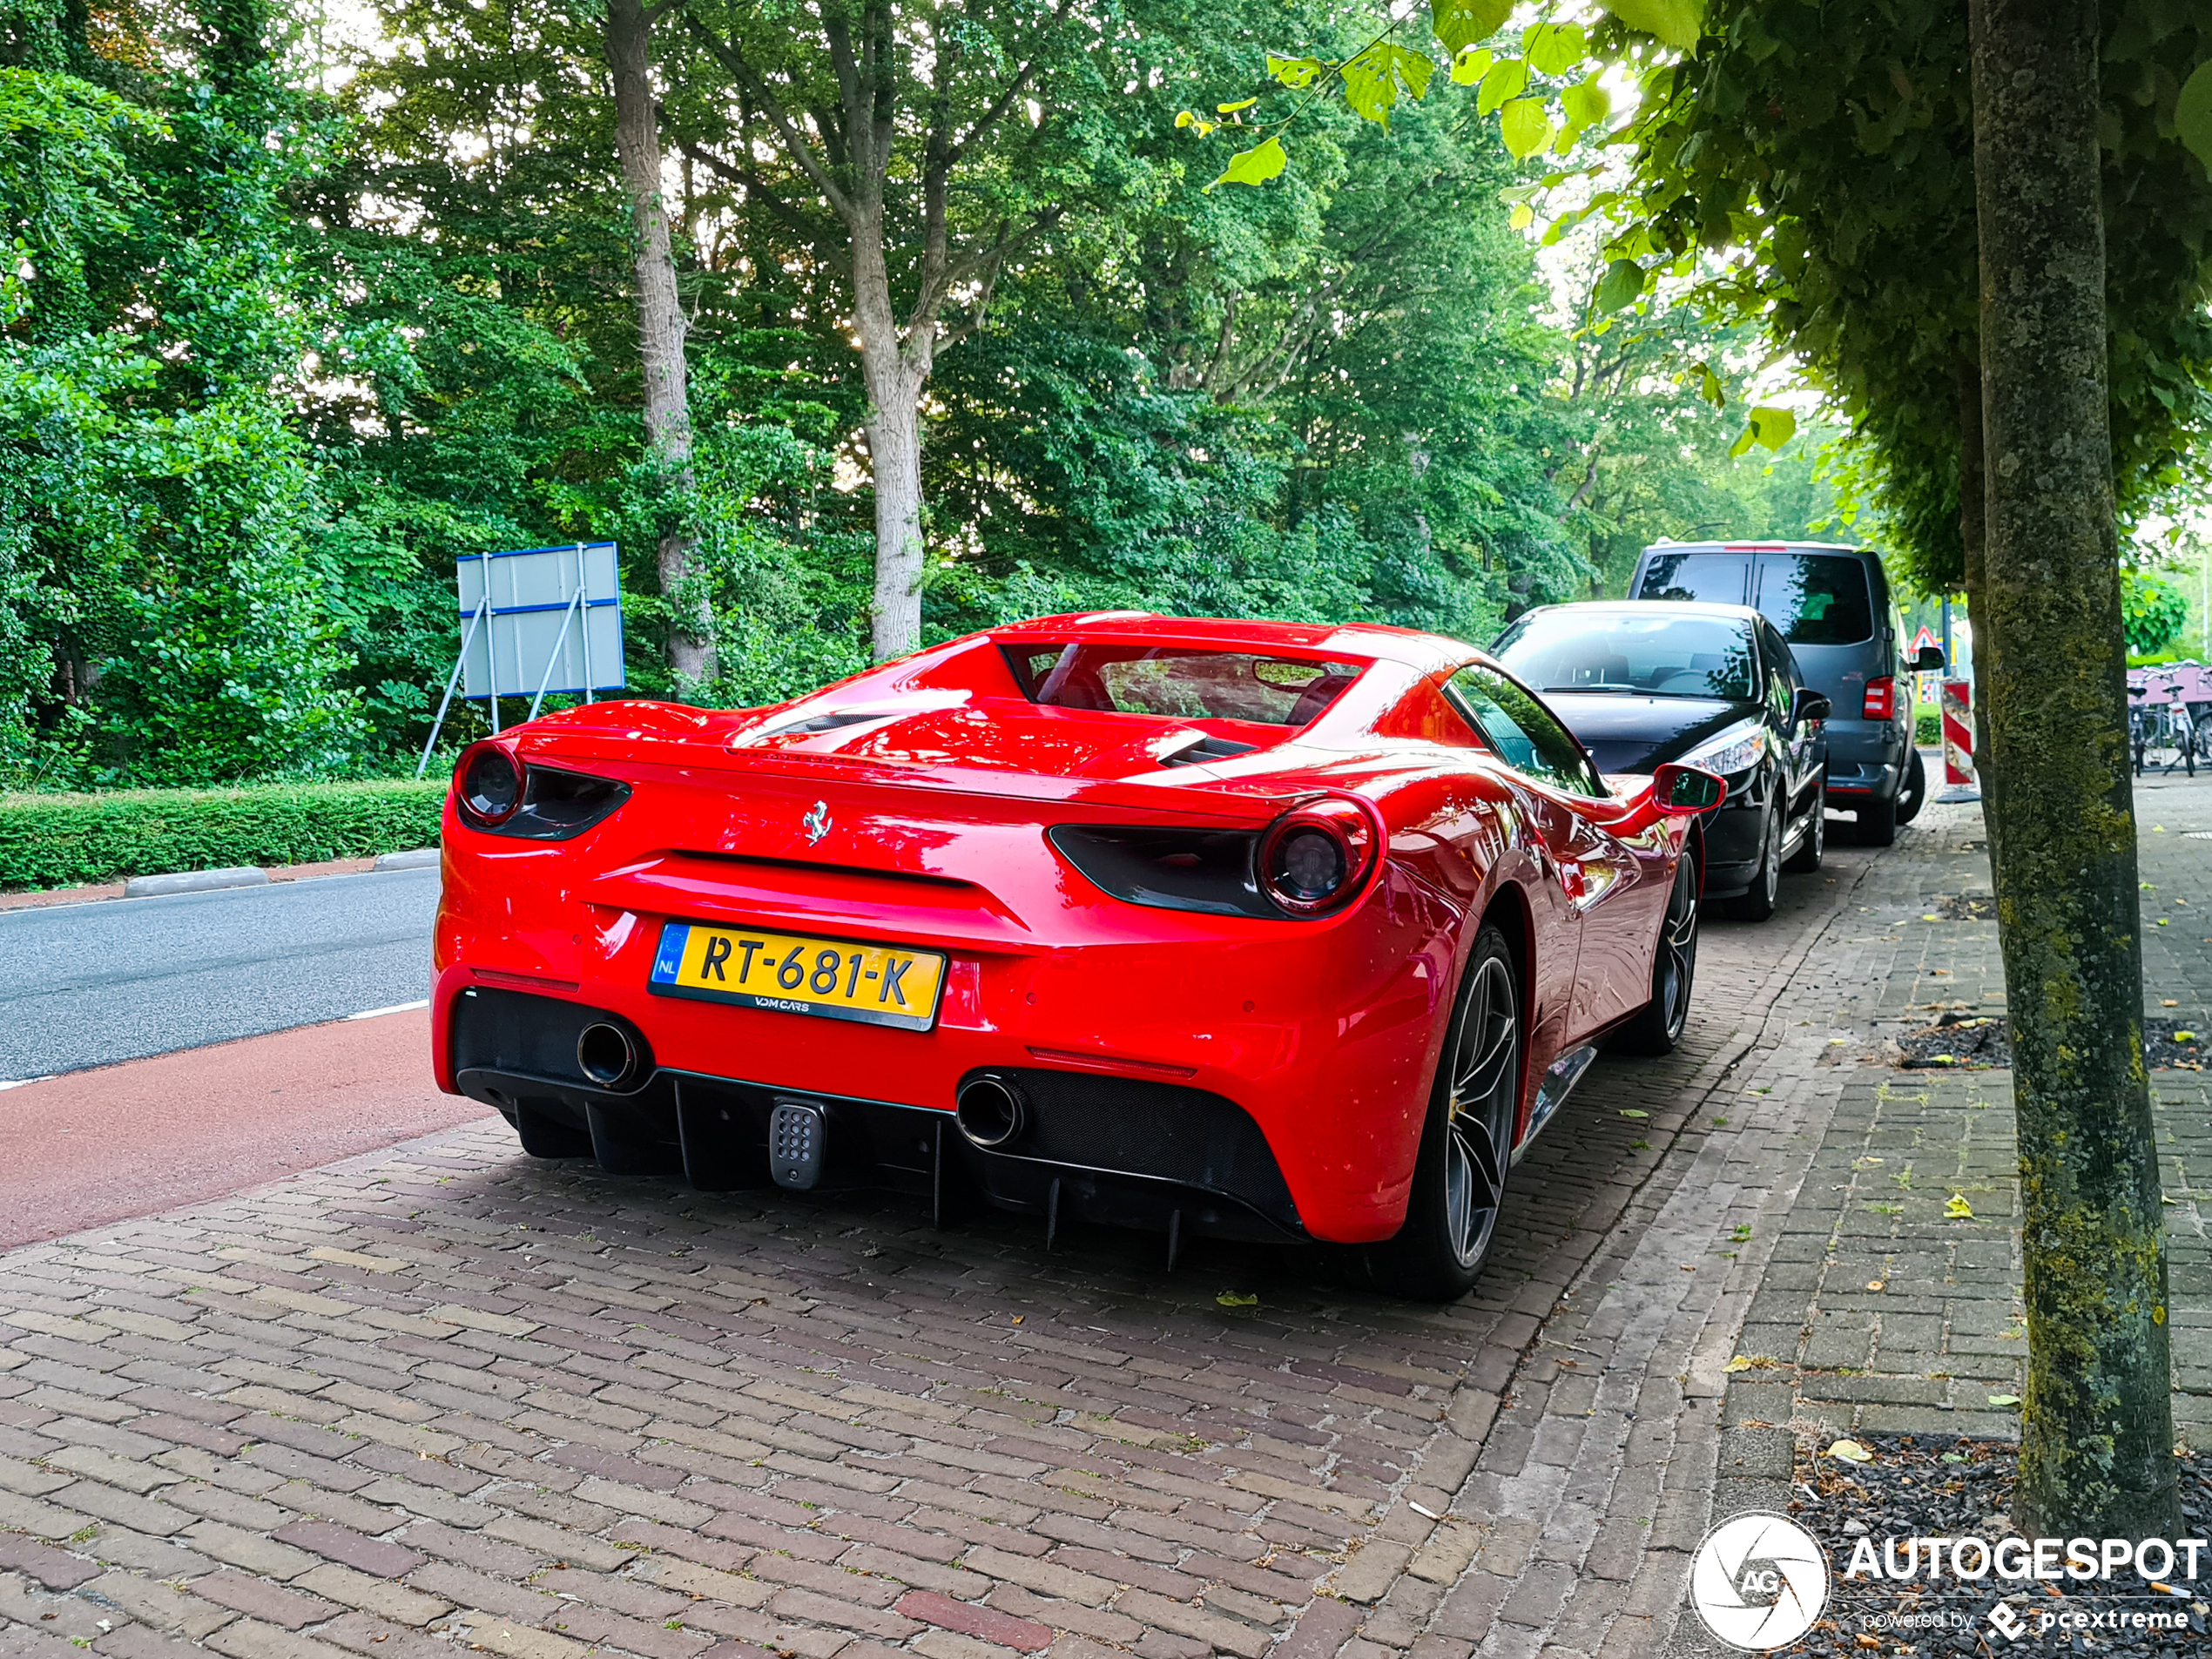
[(2169, 717)]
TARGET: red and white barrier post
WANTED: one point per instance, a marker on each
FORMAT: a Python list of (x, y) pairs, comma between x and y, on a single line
[(1955, 698)]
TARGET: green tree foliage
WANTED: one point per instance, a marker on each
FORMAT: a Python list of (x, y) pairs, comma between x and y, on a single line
[(167, 618), (1805, 171), (2153, 612), (1664, 454), (1828, 154), (1341, 410)]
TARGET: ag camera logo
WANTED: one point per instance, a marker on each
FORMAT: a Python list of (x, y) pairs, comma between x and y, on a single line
[(1759, 1582)]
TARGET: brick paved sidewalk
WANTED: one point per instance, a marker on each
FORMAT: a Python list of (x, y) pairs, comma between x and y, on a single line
[(445, 1397)]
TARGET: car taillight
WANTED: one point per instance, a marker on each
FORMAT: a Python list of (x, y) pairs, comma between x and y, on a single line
[(1316, 858), (498, 794), (1881, 699), (488, 785)]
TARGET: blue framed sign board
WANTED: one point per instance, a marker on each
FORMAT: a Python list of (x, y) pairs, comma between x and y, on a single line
[(536, 621), (553, 624)]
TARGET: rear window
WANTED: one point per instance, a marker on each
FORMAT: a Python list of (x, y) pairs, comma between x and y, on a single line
[(1816, 598), (1709, 578), (1182, 684), (1576, 648)]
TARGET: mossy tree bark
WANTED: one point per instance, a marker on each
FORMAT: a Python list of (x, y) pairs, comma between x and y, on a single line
[(1973, 537), (2096, 1454)]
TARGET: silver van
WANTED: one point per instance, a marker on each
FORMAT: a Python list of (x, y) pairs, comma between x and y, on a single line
[(1833, 606)]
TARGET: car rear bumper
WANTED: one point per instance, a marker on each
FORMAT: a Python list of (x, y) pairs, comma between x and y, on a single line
[(1114, 1150), (1866, 761)]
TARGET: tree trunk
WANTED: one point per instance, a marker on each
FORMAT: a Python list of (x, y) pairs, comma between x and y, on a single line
[(1974, 485), (894, 373), (660, 336), (2097, 1438), (895, 447)]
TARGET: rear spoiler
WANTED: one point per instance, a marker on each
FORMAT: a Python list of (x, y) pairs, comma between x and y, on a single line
[(684, 759)]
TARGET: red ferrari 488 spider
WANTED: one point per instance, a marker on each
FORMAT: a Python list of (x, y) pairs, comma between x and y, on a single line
[(1242, 929)]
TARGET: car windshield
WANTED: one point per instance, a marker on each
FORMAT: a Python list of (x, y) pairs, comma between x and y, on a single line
[(1574, 648), (1182, 682)]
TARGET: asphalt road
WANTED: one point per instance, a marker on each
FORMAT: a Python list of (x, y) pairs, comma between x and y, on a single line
[(92, 984)]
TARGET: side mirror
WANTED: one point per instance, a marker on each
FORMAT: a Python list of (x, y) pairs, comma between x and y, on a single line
[(1812, 705), (1687, 789), (1928, 660)]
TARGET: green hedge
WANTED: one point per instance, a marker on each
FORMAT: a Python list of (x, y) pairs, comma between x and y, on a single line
[(1927, 725), (62, 840)]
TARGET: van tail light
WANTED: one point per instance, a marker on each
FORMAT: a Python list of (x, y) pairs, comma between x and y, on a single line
[(1881, 698)]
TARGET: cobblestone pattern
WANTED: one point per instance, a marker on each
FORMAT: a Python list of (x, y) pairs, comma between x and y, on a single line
[(1891, 1312), (1941, 963), (448, 1395), (1886, 1311)]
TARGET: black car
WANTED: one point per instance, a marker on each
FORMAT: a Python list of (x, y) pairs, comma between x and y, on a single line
[(1833, 607), (1711, 685)]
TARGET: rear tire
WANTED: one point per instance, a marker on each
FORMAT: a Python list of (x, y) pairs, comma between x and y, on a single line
[(1466, 1144), (1806, 860), (1914, 795), (1876, 824), (1766, 881), (1658, 1025)]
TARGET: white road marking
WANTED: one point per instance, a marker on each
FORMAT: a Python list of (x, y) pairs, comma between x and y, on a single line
[(396, 1008), (18, 1083)]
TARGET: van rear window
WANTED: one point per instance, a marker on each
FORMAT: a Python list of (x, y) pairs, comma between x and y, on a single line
[(1181, 683), (1816, 598), (1707, 578)]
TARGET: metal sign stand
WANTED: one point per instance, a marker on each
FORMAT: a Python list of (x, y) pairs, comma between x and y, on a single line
[(454, 679), (576, 611)]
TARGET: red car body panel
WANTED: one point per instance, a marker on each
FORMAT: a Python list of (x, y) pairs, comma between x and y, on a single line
[(1326, 1032)]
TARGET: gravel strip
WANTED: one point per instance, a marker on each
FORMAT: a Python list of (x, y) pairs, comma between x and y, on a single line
[(1930, 1485)]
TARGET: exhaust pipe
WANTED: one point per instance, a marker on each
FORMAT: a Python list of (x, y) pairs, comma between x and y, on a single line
[(605, 1054), (990, 1111)]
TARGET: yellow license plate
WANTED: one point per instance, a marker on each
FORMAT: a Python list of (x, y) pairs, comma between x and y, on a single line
[(835, 979)]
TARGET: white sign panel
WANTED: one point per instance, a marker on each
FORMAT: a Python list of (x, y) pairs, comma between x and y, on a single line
[(554, 624)]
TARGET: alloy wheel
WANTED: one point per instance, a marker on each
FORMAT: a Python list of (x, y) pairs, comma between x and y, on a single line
[(1485, 1085), (1678, 950)]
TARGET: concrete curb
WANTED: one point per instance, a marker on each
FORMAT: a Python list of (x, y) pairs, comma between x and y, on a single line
[(421, 858), (151, 887)]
